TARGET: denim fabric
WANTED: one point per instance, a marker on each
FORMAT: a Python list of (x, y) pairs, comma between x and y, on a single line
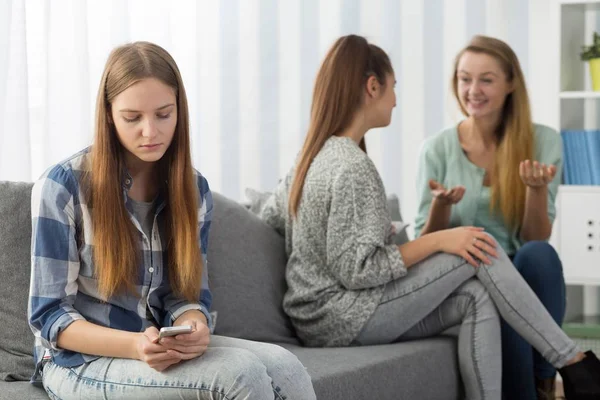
[(541, 268), (230, 369)]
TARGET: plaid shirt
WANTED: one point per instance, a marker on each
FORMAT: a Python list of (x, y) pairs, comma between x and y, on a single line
[(63, 288)]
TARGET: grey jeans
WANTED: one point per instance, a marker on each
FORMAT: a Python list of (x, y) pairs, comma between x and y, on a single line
[(229, 369), (443, 291)]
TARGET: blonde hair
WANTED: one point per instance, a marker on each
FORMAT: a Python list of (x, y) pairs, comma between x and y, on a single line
[(515, 134), (337, 95), (116, 248)]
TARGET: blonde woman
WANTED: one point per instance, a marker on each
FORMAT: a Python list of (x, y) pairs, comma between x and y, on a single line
[(498, 170), (120, 234), (348, 284)]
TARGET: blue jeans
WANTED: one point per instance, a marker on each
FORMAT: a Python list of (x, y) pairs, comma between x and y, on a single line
[(541, 268), (229, 369)]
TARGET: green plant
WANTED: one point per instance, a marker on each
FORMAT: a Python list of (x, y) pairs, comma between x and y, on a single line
[(592, 51)]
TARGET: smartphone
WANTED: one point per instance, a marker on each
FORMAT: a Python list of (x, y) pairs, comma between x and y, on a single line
[(174, 331)]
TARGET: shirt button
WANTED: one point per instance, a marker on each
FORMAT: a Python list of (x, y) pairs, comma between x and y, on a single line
[(151, 270)]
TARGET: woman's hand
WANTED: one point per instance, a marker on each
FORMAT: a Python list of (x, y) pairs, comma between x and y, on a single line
[(468, 242), (189, 345), (536, 175), (154, 354), (444, 196)]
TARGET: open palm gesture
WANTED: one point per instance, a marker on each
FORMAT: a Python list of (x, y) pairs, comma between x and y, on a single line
[(446, 196), (535, 174)]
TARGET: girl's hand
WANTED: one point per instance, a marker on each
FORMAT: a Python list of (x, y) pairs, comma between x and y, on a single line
[(536, 175), (189, 345), (444, 196), (468, 242), (153, 353)]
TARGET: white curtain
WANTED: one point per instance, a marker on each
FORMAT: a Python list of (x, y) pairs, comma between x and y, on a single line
[(248, 67)]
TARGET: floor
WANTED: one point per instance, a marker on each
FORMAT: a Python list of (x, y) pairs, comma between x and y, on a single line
[(560, 395)]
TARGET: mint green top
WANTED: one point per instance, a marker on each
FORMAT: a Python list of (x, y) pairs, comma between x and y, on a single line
[(443, 159)]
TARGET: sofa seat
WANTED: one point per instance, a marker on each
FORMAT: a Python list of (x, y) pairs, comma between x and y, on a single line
[(21, 391), (247, 276), (422, 369)]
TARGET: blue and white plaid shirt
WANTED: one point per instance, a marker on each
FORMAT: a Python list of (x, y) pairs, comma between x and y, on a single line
[(63, 288)]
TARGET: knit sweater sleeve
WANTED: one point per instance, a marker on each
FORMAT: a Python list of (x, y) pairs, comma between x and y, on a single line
[(358, 222)]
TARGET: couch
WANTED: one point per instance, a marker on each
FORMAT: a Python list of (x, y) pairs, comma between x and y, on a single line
[(247, 262)]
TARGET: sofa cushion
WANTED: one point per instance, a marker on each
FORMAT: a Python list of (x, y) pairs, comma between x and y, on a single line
[(401, 236), (246, 266), (21, 391), (422, 369), (16, 346)]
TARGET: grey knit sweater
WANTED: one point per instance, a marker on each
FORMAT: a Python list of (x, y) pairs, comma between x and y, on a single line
[(339, 245)]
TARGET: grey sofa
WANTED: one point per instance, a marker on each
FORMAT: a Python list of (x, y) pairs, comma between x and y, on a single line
[(247, 262)]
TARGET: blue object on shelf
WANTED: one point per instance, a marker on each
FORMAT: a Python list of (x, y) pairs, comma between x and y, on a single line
[(593, 147), (581, 151)]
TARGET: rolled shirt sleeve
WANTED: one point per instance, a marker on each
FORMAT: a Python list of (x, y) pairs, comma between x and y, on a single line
[(54, 257)]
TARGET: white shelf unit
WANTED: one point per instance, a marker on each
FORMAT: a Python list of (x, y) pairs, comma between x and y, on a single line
[(576, 233), (582, 3), (580, 95)]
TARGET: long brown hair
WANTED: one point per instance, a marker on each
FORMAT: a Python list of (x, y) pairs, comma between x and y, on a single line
[(116, 248), (337, 95), (515, 134)]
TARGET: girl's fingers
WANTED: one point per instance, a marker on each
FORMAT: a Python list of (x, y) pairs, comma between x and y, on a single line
[(487, 239), (189, 356), (162, 357), (465, 254), (162, 366), (479, 254), (433, 184), (529, 169), (187, 349), (153, 348), (543, 176), (522, 170), (551, 172), (486, 248), (475, 228)]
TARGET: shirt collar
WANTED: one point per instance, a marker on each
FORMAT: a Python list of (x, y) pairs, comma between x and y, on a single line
[(127, 183)]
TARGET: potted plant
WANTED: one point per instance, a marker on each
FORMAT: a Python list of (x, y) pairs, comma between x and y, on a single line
[(592, 55)]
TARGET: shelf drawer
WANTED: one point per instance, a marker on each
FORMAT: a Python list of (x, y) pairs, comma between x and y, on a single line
[(578, 233)]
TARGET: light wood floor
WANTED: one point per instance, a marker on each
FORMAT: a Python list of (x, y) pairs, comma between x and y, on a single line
[(560, 395)]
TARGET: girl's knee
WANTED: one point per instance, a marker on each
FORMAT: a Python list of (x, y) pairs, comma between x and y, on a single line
[(475, 289), (290, 377), (538, 260), (478, 297), (280, 360), (538, 250), (247, 377)]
